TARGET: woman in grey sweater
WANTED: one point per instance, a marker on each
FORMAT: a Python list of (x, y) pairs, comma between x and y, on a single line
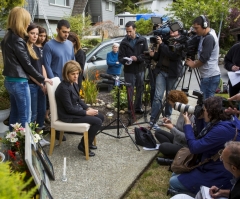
[(173, 141)]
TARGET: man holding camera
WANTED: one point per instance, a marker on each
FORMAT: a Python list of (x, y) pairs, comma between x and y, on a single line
[(167, 70), (133, 47), (208, 51)]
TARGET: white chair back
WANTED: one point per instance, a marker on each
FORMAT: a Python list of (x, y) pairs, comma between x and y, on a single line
[(52, 100)]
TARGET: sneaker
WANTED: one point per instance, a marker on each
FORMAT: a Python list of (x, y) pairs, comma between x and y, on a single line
[(44, 142), (160, 122), (154, 126)]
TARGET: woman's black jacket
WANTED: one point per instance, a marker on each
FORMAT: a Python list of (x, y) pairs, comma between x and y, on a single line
[(16, 58)]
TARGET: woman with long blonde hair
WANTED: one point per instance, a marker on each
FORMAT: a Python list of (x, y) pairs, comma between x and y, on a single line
[(18, 67)]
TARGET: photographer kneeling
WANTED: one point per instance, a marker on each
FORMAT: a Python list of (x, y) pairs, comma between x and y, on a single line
[(175, 140), (220, 128), (168, 69)]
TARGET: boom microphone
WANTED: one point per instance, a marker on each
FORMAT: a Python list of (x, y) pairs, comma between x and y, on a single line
[(108, 82), (108, 76)]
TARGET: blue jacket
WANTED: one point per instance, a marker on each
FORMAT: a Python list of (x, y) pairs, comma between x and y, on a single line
[(113, 68), (211, 173)]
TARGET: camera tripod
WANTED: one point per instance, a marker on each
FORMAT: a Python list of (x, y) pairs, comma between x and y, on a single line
[(118, 120)]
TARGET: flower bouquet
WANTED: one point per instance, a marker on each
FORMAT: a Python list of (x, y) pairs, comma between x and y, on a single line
[(15, 144)]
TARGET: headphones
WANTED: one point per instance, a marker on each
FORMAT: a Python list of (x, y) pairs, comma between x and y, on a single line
[(205, 23)]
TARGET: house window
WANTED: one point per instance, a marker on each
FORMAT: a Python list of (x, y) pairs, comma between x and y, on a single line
[(121, 22), (109, 5), (60, 2)]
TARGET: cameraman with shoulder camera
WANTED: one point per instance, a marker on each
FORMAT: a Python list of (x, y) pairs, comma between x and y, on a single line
[(167, 70), (208, 51)]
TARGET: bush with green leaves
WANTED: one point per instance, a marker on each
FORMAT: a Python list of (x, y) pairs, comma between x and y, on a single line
[(89, 91), (123, 102), (144, 26), (13, 184), (4, 96)]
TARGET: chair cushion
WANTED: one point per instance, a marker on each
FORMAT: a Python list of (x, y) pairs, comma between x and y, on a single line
[(73, 127)]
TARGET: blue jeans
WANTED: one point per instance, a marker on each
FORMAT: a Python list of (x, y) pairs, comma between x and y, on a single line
[(38, 104), (20, 102), (138, 81), (209, 86), (175, 184), (163, 83)]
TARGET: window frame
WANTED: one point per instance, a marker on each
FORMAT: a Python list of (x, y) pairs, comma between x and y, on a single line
[(65, 3), (108, 7)]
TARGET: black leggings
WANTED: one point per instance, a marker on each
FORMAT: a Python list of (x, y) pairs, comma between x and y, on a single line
[(95, 125), (167, 148)]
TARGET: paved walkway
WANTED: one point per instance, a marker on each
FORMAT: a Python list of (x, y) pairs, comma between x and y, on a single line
[(107, 175)]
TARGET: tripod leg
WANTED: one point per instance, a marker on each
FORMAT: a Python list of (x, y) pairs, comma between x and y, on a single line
[(129, 134)]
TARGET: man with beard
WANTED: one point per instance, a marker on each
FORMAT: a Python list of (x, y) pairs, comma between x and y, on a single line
[(58, 51), (133, 47)]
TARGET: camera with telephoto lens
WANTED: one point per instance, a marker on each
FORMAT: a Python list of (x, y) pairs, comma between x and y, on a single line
[(197, 110)]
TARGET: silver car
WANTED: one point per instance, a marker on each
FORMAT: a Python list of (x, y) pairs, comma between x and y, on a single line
[(96, 60)]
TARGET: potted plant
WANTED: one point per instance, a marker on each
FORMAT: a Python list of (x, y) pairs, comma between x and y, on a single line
[(4, 102)]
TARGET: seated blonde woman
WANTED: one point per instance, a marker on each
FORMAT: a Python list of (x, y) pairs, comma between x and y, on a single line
[(72, 109)]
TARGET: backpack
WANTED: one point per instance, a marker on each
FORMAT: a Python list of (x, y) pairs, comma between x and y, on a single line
[(144, 137)]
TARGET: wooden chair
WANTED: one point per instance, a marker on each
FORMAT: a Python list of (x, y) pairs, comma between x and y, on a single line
[(63, 126)]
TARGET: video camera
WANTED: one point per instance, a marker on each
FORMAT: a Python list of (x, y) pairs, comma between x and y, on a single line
[(164, 30), (186, 45), (197, 110)]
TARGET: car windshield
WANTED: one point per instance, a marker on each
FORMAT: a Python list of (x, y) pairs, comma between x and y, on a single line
[(93, 48)]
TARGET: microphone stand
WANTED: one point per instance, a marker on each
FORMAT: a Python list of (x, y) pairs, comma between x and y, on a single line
[(118, 120)]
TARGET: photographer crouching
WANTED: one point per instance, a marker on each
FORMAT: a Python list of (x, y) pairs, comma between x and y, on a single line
[(167, 70)]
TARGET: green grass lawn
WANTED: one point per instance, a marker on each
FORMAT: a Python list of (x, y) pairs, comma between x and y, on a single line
[(152, 184)]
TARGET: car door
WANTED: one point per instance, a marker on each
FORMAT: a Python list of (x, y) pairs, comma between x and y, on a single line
[(97, 63)]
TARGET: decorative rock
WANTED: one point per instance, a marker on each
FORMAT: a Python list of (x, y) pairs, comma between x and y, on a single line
[(125, 109), (94, 104), (115, 109), (88, 104), (103, 103), (121, 111), (221, 59), (97, 104), (109, 106)]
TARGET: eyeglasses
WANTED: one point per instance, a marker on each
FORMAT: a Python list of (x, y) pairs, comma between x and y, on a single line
[(220, 157)]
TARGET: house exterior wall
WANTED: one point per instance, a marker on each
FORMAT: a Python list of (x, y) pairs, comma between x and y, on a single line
[(95, 10), (121, 19), (156, 6), (160, 5), (53, 12), (106, 14)]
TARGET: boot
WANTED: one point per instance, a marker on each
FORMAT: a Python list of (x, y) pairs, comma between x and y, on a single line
[(82, 148)]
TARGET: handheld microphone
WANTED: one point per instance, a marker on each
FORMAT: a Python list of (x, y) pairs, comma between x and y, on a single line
[(107, 76), (109, 82)]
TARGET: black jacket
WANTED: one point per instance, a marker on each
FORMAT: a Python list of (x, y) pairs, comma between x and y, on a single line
[(80, 57), (69, 104), (175, 61), (16, 58), (126, 50), (232, 57), (235, 193)]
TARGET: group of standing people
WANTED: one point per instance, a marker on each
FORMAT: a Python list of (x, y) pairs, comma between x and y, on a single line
[(30, 61)]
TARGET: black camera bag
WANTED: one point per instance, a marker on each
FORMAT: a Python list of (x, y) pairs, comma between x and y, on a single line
[(144, 137)]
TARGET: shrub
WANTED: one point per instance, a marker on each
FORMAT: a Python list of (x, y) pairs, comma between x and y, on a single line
[(123, 102), (13, 185)]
